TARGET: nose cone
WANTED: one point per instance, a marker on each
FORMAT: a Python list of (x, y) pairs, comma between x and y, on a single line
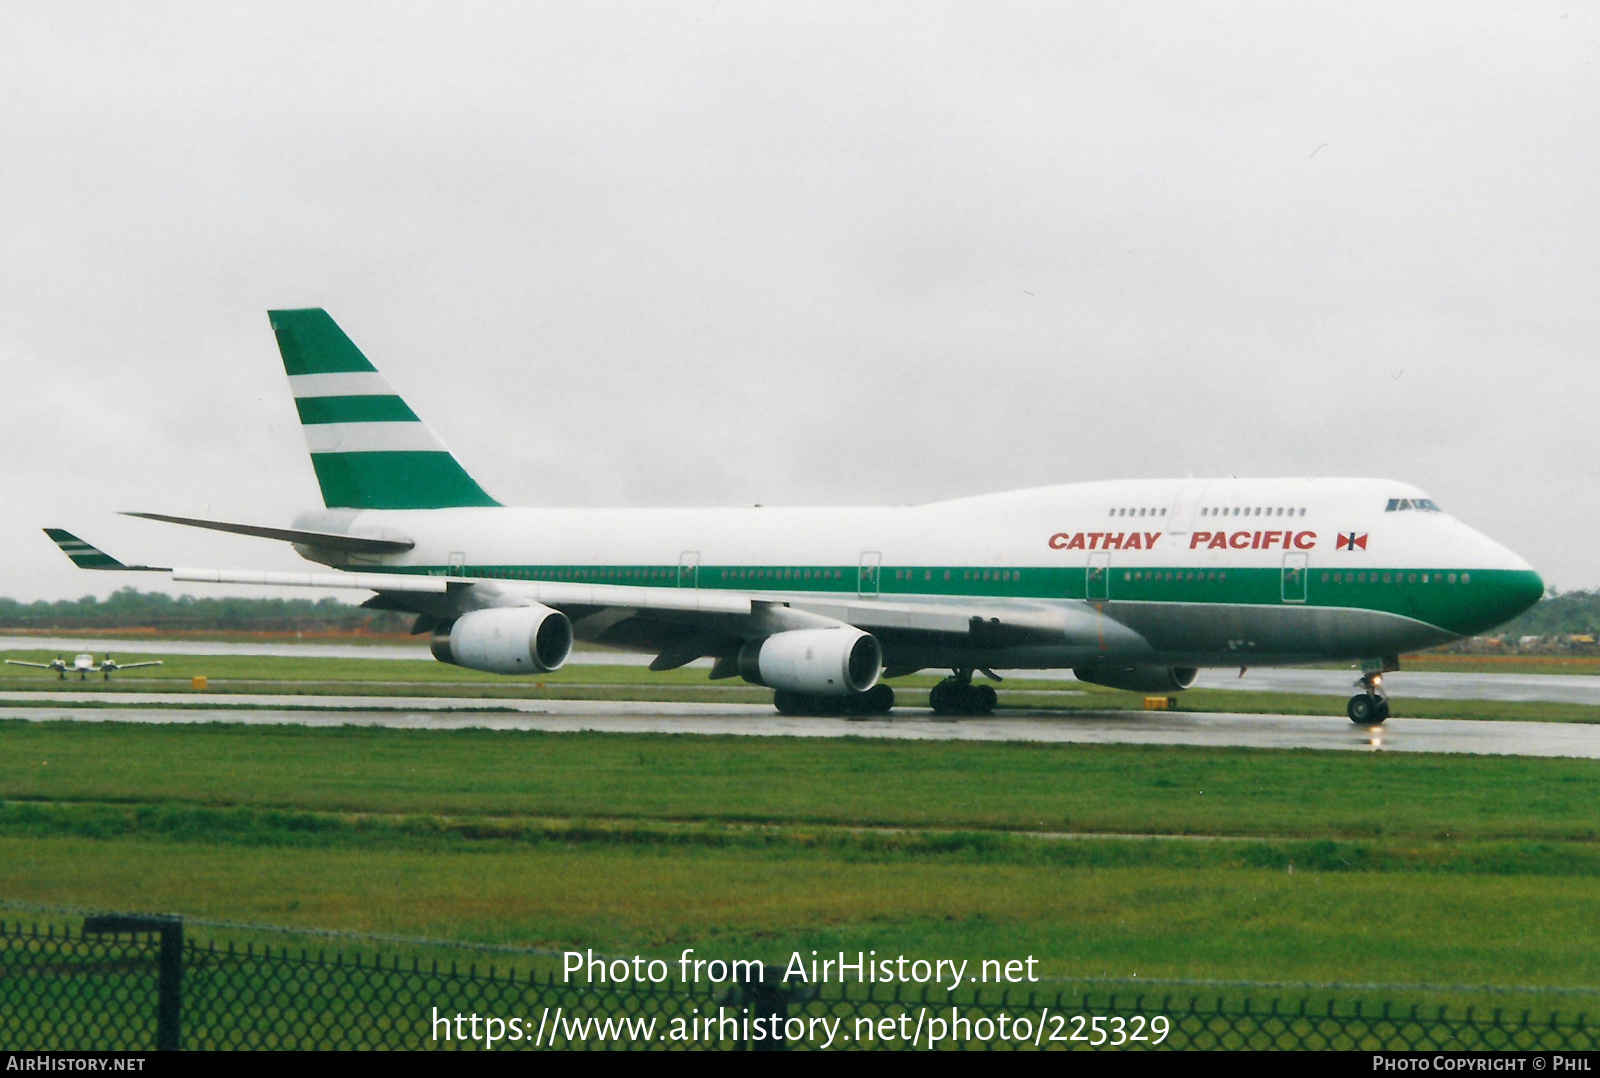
[(1502, 592), (1524, 588)]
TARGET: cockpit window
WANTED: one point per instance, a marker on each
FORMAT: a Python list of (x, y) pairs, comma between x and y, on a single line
[(1401, 504)]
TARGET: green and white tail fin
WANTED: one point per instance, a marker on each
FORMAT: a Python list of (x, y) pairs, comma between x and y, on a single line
[(370, 450)]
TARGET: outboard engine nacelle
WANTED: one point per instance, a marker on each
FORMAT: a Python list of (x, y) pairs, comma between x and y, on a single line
[(818, 662), (1139, 678), (506, 640)]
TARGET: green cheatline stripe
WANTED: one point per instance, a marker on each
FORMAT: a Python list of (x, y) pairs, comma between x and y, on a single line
[(312, 343), (384, 409), (1485, 599), (396, 480)]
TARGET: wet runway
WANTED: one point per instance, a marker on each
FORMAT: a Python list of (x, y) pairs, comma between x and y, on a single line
[(1129, 727), (1416, 684), (1554, 688)]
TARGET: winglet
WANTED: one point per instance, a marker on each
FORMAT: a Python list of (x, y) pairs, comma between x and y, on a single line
[(85, 556)]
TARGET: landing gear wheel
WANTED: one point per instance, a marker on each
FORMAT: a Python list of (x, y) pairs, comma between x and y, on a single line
[(1366, 710), (875, 701), (953, 696), (788, 703)]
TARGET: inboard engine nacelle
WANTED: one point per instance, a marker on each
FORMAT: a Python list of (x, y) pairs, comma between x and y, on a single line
[(506, 640), (821, 662), (1139, 678)]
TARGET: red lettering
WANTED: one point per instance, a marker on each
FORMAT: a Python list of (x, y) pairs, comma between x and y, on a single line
[(1305, 540), (1094, 539), (1270, 539), (1077, 542), (1239, 540), (1197, 538), (1219, 541), (1150, 540), (1059, 540), (1255, 544), (1287, 536), (1113, 541), (1132, 542)]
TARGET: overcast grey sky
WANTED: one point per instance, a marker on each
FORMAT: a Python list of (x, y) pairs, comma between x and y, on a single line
[(800, 253)]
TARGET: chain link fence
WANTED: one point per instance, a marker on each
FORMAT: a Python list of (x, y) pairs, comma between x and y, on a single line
[(135, 984)]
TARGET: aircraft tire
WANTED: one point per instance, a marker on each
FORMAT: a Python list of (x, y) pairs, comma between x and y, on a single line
[(1367, 710), (984, 698), (877, 700), (788, 703)]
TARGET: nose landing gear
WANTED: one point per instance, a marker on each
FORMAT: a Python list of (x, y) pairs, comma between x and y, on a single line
[(1370, 706)]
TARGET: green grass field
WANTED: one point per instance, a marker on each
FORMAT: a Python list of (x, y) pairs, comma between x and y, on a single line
[(1120, 861)]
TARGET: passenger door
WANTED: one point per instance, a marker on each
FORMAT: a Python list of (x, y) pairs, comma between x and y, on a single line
[(867, 577), (1097, 577), (1294, 577), (1183, 510)]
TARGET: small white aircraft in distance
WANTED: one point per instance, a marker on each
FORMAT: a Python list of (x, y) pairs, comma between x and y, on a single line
[(83, 665)]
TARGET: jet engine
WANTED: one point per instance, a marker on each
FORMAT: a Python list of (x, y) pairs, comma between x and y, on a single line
[(506, 640), (1139, 678), (818, 662)]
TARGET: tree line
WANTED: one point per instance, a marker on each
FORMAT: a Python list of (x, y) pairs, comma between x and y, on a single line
[(130, 608)]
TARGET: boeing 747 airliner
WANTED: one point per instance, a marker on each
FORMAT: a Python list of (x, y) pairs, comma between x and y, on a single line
[(1133, 584)]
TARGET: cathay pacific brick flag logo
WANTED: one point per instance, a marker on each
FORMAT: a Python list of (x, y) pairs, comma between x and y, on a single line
[(1352, 541)]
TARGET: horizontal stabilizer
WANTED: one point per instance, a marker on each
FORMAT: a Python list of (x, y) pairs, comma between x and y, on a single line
[(85, 556), (356, 544)]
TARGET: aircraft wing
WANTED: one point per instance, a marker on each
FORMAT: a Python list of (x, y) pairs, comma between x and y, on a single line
[(708, 612), (39, 666), (557, 594), (134, 666)]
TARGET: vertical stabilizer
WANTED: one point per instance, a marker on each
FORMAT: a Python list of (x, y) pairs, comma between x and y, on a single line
[(369, 449)]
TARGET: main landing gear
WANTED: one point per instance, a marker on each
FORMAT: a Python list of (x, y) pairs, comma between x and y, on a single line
[(957, 695), (1370, 706), (875, 701)]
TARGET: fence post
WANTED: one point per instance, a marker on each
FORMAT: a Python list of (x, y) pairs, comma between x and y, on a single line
[(169, 978), (766, 1001)]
